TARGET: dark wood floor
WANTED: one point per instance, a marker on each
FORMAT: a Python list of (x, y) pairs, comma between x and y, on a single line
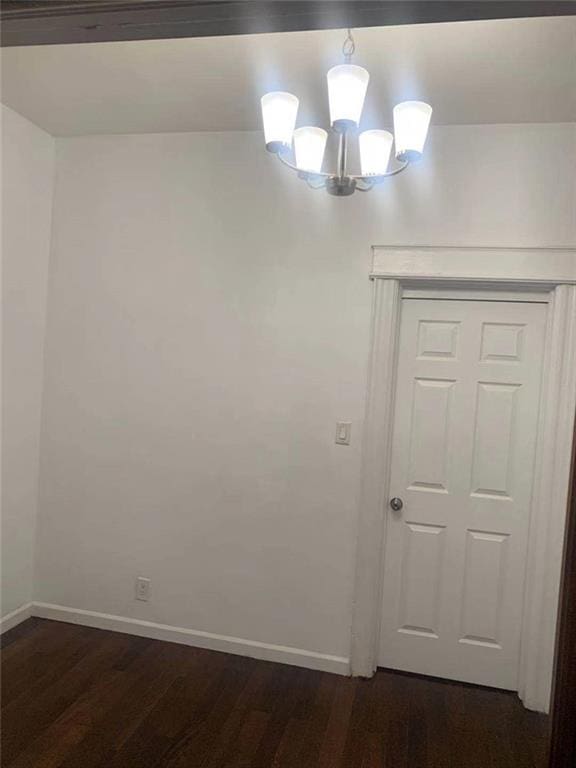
[(74, 697)]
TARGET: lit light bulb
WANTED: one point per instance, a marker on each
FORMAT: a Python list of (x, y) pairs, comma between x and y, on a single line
[(309, 145), (375, 148), (347, 84), (411, 121), (279, 111)]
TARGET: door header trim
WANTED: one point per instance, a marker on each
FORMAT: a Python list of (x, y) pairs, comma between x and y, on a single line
[(519, 267)]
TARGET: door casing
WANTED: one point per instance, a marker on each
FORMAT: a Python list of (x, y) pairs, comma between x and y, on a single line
[(546, 274)]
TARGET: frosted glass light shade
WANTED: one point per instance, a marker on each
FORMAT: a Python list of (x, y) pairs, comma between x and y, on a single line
[(279, 111), (347, 86), (375, 148), (309, 145), (411, 121)]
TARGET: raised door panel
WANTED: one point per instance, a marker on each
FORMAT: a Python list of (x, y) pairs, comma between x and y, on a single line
[(423, 549), (485, 569), (430, 435), (502, 342), (438, 339), (494, 439)]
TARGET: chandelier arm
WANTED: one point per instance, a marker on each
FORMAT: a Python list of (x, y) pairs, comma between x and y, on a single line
[(362, 183), (285, 161), (315, 186), (381, 176), (304, 174), (367, 188)]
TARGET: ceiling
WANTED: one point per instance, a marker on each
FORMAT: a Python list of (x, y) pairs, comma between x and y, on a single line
[(509, 71)]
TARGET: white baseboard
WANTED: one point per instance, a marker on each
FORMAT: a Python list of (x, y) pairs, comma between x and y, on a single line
[(16, 617), (266, 651)]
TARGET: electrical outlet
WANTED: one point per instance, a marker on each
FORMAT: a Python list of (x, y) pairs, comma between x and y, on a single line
[(142, 589)]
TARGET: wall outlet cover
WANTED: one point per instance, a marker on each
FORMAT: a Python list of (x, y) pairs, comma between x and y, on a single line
[(143, 588)]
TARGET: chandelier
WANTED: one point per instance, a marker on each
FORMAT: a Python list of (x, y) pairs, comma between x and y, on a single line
[(302, 149)]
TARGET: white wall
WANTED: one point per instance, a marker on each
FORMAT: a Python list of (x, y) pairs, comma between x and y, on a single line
[(27, 176), (208, 325)]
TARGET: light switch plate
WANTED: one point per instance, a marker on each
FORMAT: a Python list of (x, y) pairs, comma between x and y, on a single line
[(343, 429)]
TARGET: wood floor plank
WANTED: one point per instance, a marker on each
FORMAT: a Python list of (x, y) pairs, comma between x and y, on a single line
[(318, 721), (287, 754), (288, 699), (21, 631), (196, 744), (38, 657), (175, 717), (28, 715), (334, 742), (230, 732), (111, 708), (75, 697)]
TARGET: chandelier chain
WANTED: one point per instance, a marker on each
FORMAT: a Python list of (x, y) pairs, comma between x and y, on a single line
[(348, 47)]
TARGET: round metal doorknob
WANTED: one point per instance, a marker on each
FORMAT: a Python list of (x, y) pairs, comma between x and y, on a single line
[(396, 504)]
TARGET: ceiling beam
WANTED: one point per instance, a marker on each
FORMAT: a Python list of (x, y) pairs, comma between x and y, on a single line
[(44, 22)]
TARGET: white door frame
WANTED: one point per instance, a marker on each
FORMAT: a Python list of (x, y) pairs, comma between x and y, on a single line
[(552, 273)]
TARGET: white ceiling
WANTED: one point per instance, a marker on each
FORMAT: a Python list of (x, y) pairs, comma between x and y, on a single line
[(508, 71)]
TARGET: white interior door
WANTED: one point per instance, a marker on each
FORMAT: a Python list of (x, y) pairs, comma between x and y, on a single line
[(466, 414)]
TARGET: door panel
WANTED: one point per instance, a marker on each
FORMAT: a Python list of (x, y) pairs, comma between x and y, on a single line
[(466, 415), (493, 446), (501, 342), (484, 573), (431, 404), (423, 553), (437, 339)]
